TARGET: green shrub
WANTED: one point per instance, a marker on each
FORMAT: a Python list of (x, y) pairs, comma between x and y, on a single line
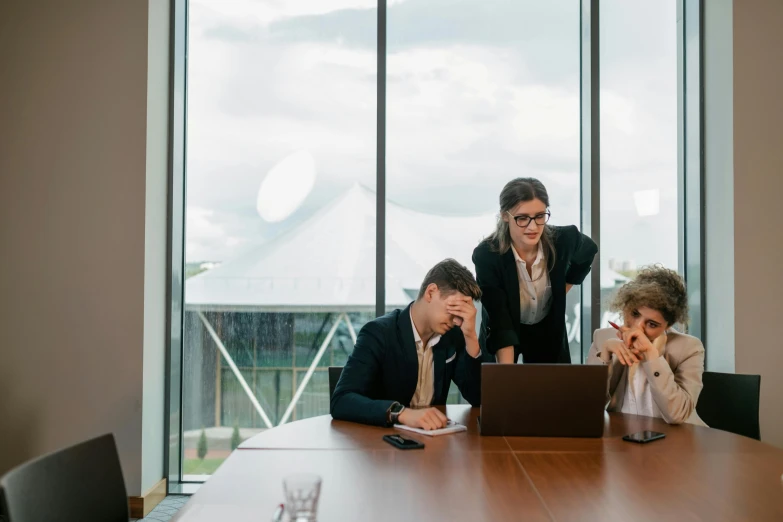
[(201, 449)]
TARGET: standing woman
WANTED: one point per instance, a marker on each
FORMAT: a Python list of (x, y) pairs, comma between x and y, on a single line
[(524, 269)]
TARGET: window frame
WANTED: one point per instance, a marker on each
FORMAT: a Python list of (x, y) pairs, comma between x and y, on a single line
[(690, 188)]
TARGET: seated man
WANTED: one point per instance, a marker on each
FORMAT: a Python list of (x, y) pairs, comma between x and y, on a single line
[(404, 362)]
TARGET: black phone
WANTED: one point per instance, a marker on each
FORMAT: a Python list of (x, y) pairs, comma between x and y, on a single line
[(398, 441), (643, 437)]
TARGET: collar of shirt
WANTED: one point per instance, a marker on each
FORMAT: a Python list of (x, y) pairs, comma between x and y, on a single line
[(416, 337), (539, 256)]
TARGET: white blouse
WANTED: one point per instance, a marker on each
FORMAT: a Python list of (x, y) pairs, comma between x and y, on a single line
[(638, 398), (535, 293)]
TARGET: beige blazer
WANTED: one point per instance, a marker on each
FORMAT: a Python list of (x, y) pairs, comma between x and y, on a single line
[(675, 378)]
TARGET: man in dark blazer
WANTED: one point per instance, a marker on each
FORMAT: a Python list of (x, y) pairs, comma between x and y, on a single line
[(404, 362)]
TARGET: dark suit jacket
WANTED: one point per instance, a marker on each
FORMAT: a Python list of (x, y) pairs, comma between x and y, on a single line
[(384, 368), (497, 276)]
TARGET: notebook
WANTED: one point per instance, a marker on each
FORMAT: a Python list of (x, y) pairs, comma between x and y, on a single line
[(451, 427)]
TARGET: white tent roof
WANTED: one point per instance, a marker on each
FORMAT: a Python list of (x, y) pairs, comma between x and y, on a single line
[(327, 263), (610, 278)]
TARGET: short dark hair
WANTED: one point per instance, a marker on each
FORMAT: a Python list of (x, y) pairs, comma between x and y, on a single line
[(450, 277), (658, 288)]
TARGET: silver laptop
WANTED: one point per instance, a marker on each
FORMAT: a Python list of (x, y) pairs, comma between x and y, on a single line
[(543, 400)]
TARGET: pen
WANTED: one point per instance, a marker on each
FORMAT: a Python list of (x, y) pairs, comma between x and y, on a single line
[(278, 516), (614, 325)]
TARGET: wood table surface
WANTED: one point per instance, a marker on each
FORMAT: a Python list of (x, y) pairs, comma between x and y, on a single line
[(695, 473)]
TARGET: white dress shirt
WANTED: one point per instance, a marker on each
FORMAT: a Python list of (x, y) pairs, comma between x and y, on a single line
[(638, 398), (535, 293), (425, 386)]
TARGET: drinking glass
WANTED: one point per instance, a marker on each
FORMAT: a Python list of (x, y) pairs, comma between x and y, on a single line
[(301, 496)]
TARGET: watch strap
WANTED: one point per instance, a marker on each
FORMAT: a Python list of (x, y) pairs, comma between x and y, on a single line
[(396, 415), (390, 413)]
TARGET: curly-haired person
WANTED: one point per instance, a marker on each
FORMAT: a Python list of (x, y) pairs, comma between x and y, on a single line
[(653, 369)]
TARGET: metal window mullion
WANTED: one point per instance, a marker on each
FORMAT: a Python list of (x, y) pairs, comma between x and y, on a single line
[(682, 239), (175, 247), (595, 162), (693, 162), (590, 179), (380, 172)]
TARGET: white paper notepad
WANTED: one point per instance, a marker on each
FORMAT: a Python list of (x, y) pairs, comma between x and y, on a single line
[(451, 427)]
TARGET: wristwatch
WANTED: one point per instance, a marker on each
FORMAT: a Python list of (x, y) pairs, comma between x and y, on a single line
[(393, 413)]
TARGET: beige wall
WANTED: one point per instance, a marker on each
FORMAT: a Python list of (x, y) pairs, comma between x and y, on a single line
[(758, 188), (73, 167), (744, 179)]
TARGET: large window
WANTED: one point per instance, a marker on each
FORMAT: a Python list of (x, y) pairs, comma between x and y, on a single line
[(284, 156), (476, 94), (639, 140), (280, 217)]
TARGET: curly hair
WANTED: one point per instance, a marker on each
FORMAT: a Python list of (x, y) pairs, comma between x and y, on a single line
[(658, 288), (450, 276)]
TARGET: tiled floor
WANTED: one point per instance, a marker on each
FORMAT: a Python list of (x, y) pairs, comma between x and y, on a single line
[(166, 510)]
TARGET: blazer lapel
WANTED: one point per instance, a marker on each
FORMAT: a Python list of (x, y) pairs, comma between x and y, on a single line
[(557, 274), (410, 359), (511, 276)]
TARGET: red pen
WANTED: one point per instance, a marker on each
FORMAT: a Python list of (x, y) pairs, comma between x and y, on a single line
[(614, 325), (278, 516)]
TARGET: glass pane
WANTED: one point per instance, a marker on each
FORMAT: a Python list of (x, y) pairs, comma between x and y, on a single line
[(639, 212), (315, 399), (280, 211), (274, 388), (478, 93)]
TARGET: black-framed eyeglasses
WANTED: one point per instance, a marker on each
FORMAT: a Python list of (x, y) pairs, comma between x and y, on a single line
[(523, 221)]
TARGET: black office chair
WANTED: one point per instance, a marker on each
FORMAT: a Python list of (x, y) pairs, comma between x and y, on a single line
[(730, 402), (83, 482), (334, 376)]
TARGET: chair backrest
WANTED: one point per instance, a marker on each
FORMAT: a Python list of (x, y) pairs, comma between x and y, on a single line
[(334, 376), (83, 482), (730, 402)]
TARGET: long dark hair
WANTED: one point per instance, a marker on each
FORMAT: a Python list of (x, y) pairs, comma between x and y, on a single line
[(516, 191)]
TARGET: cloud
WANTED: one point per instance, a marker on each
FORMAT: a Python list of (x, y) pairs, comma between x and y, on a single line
[(477, 93), (243, 13), (206, 239), (458, 114)]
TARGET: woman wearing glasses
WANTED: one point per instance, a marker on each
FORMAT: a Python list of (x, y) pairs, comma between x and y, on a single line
[(524, 269)]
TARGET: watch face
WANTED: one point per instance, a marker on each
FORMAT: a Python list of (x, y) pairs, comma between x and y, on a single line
[(396, 407)]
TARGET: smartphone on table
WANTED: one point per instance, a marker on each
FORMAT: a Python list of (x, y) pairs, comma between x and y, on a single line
[(644, 437), (398, 441)]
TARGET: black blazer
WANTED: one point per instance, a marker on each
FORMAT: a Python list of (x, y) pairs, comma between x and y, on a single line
[(497, 276), (384, 367)]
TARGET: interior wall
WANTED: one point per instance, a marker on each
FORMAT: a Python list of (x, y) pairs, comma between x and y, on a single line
[(73, 176), (758, 186)]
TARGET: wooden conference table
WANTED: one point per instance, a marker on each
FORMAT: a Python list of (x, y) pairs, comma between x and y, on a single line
[(694, 473)]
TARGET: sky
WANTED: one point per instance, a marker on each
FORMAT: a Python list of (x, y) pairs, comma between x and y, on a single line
[(478, 92)]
